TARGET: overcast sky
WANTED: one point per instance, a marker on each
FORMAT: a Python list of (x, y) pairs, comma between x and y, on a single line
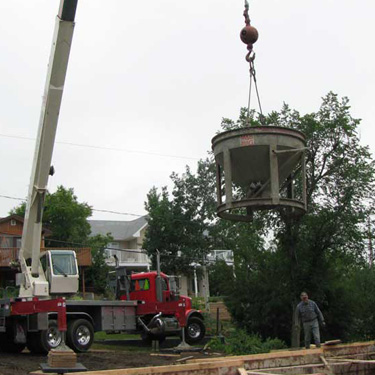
[(149, 81)]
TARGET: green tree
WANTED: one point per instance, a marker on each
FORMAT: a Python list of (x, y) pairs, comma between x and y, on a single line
[(277, 257), (97, 274), (319, 251), (221, 276), (178, 226), (64, 216)]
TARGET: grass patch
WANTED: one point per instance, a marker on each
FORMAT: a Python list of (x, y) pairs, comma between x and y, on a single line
[(124, 348), (115, 336)]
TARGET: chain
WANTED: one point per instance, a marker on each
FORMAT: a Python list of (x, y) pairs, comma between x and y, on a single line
[(250, 57), (253, 74), (246, 13)]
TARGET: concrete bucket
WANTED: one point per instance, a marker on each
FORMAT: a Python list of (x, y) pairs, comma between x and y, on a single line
[(260, 168)]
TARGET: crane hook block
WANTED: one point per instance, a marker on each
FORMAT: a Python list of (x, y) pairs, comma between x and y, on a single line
[(249, 34)]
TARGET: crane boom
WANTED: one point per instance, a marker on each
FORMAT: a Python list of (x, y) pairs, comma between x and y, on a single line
[(34, 282)]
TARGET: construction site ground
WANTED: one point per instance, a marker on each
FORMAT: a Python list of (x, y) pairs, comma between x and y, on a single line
[(124, 359), (112, 354)]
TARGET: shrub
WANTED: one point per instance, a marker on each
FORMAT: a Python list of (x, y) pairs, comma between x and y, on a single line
[(239, 342), (198, 303)]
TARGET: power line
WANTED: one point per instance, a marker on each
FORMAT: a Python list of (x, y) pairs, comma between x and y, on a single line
[(117, 213), (106, 148), (93, 209), (8, 197)]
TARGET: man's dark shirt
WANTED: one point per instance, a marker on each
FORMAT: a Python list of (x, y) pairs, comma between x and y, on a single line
[(309, 311)]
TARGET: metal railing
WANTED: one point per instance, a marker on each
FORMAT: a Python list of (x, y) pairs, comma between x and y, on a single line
[(127, 256)]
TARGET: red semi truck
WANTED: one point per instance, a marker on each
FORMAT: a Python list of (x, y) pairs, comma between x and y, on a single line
[(161, 310), (43, 316), (149, 304)]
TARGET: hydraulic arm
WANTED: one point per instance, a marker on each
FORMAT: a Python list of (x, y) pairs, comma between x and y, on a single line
[(33, 281)]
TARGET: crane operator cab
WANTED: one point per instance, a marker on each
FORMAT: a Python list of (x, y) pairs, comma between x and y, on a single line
[(61, 270)]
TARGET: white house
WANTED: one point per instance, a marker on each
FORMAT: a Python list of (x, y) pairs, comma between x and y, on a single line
[(127, 246), (127, 242)]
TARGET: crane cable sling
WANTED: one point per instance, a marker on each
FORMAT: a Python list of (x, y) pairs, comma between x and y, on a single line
[(250, 57)]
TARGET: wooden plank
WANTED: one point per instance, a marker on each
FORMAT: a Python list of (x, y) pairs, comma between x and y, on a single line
[(276, 363), (348, 349), (242, 371), (348, 356), (369, 361), (332, 342), (326, 364), (183, 359), (279, 354), (191, 369)]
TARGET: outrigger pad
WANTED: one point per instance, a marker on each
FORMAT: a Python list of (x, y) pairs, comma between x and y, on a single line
[(62, 370)]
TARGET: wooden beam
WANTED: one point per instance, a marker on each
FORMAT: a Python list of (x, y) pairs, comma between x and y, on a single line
[(263, 356), (241, 371), (326, 364), (183, 359), (348, 356), (275, 363), (369, 361)]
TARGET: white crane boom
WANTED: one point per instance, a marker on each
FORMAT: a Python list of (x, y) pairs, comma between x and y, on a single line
[(33, 281)]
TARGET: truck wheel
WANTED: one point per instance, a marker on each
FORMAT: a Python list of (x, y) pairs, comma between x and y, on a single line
[(80, 335), (51, 337), (8, 346), (42, 342), (195, 330)]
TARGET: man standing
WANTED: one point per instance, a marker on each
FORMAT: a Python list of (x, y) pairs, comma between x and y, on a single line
[(308, 312)]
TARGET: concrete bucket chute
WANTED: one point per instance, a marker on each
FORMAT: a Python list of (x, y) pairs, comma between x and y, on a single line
[(259, 168)]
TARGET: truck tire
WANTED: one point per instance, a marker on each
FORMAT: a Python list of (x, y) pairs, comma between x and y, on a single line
[(51, 338), (42, 342), (195, 330), (80, 335), (7, 345)]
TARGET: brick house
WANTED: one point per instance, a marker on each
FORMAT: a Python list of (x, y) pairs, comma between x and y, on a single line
[(10, 242)]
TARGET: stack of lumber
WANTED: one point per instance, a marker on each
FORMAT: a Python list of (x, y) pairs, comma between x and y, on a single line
[(62, 358), (348, 359)]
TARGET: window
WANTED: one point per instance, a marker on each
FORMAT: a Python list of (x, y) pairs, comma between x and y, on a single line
[(139, 285), (63, 264), (13, 223), (164, 285), (6, 241)]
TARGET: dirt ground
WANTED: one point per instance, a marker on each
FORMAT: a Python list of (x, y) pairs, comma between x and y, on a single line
[(22, 364)]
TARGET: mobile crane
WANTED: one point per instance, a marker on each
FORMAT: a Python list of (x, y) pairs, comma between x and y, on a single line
[(41, 315)]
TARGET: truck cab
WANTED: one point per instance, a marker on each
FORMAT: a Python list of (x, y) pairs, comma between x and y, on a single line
[(162, 311), (60, 268), (143, 287)]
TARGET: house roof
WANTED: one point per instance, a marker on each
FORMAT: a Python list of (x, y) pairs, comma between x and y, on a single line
[(10, 217), (46, 232), (119, 230)]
